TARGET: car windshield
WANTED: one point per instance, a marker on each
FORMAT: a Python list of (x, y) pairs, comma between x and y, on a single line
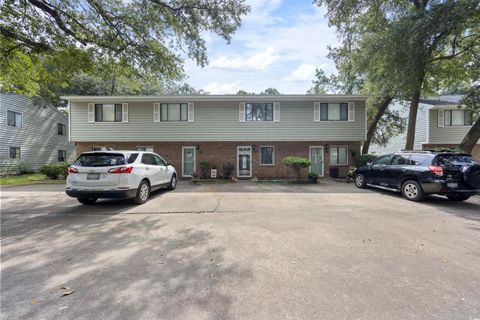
[(100, 160), (454, 159)]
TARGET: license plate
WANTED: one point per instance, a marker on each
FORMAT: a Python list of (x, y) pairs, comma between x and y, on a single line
[(452, 185), (93, 176)]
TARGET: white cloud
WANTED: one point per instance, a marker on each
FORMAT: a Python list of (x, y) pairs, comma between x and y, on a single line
[(278, 45), (304, 72), (222, 88), (259, 61)]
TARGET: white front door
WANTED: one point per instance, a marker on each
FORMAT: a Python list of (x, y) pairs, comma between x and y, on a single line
[(316, 157), (188, 161), (244, 161)]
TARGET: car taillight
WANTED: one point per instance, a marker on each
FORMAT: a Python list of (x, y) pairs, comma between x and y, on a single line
[(437, 170), (121, 170), (72, 170)]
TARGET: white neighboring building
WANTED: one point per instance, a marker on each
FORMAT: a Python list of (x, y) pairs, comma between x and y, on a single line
[(440, 123), (32, 135)]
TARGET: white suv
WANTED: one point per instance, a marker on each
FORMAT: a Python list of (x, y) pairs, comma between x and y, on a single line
[(119, 174)]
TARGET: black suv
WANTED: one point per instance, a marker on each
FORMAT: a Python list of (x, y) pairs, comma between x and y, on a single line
[(417, 174)]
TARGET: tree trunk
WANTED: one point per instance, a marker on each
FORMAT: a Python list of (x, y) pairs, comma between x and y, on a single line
[(412, 119), (381, 108), (471, 138)]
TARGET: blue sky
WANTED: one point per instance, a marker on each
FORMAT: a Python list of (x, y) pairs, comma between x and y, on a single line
[(279, 44)]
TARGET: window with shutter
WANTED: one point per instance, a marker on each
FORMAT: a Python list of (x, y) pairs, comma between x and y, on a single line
[(241, 112), (191, 112), (156, 112), (124, 112), (316, 111), (276, 111)]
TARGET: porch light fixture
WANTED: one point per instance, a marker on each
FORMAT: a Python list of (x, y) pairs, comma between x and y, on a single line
[(326, 148), (197, 147), (253, 147)]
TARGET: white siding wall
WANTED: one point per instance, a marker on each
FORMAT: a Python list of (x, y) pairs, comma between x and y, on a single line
[(38, 138)]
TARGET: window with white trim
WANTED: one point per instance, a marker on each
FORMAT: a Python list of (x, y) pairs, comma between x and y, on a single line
[(62, 155), (174, 112), (334, 112), (61, 129), (267, 155), (259, 111), (15, 153), (14, 119), (338, 155), (458, 118), (108, 112)]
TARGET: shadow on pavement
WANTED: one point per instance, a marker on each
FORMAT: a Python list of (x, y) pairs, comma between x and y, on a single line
[(118, 268)]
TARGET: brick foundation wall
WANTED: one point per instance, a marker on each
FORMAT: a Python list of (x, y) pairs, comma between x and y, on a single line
[(221, 152), (475, 151)]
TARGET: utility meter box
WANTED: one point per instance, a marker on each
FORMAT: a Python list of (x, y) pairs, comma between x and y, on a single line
[(213, 173)]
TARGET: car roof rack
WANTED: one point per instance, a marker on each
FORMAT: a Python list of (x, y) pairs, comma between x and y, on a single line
[(416, 151)]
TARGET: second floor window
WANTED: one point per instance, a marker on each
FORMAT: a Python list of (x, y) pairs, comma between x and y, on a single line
[(173, 112), (62, 155), (334, 112), (14, 119), (458, 118), (259, 112), (15, 153), (108, 112), (61, 129)]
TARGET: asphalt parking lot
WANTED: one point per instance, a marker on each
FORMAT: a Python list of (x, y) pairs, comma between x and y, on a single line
[(239, 251)]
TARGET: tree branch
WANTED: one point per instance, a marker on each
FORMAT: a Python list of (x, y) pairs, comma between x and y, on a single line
[(36, 46), (49, 9)]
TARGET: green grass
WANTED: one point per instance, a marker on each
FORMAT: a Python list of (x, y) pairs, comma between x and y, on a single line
[(28, 178)]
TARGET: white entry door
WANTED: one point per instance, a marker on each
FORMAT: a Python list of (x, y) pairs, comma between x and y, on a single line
[(244, 161), (188, 161), (316, 157)]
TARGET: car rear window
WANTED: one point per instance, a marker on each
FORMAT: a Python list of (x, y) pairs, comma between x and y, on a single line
[(101, 160), (453, 159)]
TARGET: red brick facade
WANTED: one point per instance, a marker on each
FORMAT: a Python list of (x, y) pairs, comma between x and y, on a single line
[(219, 153), (475, 151)]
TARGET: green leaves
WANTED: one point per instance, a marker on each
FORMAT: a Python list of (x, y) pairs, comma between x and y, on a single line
[(45, 43)]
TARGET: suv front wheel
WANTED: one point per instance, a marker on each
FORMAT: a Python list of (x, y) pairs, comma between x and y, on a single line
[(412, 191), (360, 181), (173, 183), (457, 197)]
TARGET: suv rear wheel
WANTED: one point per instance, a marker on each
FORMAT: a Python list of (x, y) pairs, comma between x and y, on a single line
[(360, 181), (87, 201), (412, 191), (457, 197), (143, 193)]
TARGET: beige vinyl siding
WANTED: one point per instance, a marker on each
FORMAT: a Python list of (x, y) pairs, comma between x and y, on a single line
[(446, 134), (217, 121), (38, 138)]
